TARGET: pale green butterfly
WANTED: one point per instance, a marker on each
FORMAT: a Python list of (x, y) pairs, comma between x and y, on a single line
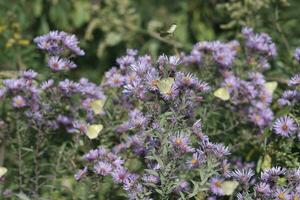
[(165, 85), (228, 187), (222, 93), (271, 86), (3, 171), (94, 130), (97, 106)]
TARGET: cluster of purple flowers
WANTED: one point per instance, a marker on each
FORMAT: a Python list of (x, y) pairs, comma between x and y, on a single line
[(23, 91), (288, 126), (42, 102), (251, 98), (259, 46), (151, 90), (221, 53), (103, 163), (274, 183), (61, 47), (292, 96), (54, 103)]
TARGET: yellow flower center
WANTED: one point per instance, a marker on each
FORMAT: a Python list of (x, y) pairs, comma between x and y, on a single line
[(194, 161), (218, 184), (178, 141), (281, 196)]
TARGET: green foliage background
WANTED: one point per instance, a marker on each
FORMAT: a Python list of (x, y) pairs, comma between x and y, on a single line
[(107, 27)]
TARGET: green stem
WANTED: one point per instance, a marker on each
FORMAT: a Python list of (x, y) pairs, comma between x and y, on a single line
[(19, 141)]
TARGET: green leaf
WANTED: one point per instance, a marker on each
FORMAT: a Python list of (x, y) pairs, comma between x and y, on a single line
[(113, 38), (22, 196)]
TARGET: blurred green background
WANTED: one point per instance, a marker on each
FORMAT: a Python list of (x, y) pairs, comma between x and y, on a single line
[(107, 27)]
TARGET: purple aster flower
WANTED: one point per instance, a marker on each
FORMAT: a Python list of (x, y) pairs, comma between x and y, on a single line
[(14, 84), (262, 43), (294, 176), (224, 56), (69, 64), (119, 175), (137, 119), (47, 84), (202, 86), (29, 74), (198, 158), (69, 87), (57, 64), (262, 189), (281, 194), (135, 88), (181, 142), (197, 127), (19, 102), (117, 161), (297, 54), (80, 126), (141, 67), (247, 31), (91, 155), (64, 120), (285, 126), (56, 43), (125, 61), (116, 80), (150, 179), (212, 198), (231, 83), (132, 52), (102, 168), (152, 79), (272, 175), (295, 195), (49, 42), (193, 58), (123, 127), (130, 182), (185, 80), (102, 151), (243, 176), (182, 186), (216, 186), (174, 61), (289, 97), (295, 80), (257, 78), (71, 42), (172, 94), (220, 150), (80, 174)]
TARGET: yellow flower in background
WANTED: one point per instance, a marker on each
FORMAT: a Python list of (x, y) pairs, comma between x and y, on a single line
[(10, 43), (2, 28), (23, 42)]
